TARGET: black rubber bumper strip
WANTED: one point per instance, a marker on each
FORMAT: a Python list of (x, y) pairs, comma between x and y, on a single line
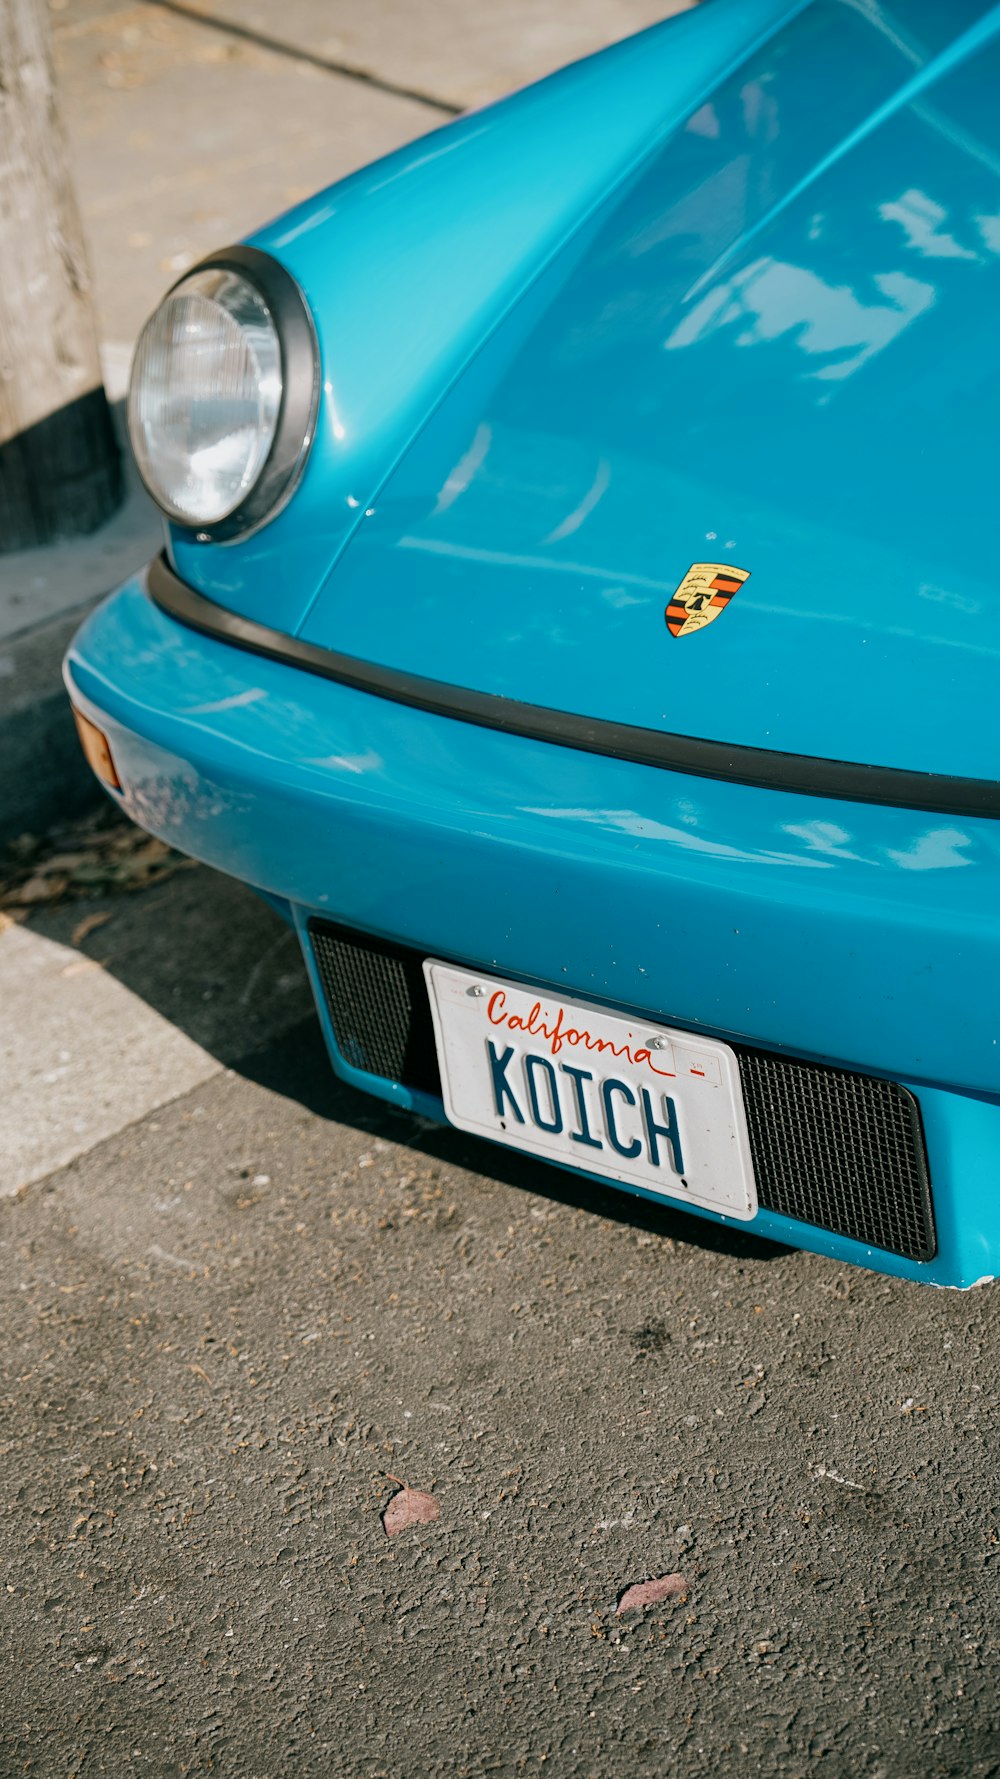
[(621, 741)]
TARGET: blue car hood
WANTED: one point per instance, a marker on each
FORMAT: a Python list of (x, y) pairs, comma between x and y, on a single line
[(771, 348)]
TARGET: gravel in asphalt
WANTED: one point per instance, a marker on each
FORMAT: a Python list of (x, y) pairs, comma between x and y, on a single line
[(231, 1331)]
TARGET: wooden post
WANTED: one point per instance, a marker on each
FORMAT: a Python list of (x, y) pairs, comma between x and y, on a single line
[(60, 472)]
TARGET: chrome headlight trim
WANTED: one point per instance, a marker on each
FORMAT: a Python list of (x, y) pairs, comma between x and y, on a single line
[(295, 425)]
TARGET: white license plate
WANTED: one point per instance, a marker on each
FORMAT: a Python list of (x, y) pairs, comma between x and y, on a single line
[(634, 1102)]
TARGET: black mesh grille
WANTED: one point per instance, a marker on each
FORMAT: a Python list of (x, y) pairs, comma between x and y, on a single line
[(378, 1006), (841, 1151)]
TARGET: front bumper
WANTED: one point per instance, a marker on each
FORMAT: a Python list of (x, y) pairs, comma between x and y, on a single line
[(853, 934)]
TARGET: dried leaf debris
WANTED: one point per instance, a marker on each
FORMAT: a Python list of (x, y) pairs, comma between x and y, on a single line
[(650, 1593), (102, 854), (409, 1507), (89, 924)]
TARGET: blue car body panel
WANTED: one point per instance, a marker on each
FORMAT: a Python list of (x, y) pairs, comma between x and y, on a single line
[(407, 265), (727, 292), (775, 351)]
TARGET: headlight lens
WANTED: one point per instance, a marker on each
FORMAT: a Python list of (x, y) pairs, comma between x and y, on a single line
[(205, 396)]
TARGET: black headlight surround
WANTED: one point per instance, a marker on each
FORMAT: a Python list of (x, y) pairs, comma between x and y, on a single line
[(300, 389)]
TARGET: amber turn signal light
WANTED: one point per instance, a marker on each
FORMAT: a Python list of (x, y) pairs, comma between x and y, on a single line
[(97, 750)]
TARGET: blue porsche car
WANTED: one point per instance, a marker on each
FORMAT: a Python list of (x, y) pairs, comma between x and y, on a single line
[(577, 616)]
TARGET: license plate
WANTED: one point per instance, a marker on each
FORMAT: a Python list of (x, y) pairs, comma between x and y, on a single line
[(632, 1101)]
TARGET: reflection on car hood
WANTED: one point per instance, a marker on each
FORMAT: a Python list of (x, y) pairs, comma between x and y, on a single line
[(774, 350)]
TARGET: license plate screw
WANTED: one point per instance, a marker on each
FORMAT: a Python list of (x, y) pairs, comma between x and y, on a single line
[(657, 1044), (476, 991)]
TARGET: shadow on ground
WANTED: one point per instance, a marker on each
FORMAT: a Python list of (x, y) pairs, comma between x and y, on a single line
[(298, 1068), (219, 964)]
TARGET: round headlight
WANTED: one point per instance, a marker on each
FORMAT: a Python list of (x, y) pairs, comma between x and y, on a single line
[(215, 436)]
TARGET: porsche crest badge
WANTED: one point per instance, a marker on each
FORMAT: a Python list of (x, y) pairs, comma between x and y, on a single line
[(702, 596)]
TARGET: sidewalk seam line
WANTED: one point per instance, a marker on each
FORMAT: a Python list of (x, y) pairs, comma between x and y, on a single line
[(16, 1192), (262, 40)]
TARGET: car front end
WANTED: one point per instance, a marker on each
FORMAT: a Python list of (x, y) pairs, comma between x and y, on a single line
[(432, 659)]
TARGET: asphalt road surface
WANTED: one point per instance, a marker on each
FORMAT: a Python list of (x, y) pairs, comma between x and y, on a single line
[(232, 1327)]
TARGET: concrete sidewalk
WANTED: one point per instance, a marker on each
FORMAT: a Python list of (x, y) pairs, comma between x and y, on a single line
[(193, 124), (116, 1000)]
